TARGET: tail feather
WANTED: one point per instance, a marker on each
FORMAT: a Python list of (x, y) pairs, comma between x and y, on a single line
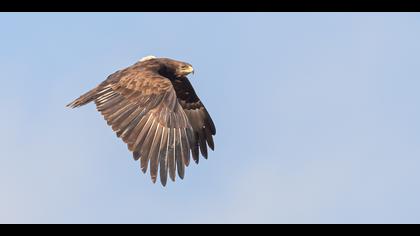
[(84, 99)]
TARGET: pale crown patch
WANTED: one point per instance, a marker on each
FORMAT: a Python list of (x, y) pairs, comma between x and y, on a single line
[(146, 58)]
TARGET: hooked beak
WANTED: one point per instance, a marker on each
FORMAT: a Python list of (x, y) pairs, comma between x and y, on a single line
[(188, 70)]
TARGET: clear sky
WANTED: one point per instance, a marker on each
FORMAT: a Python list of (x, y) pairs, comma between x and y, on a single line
[(317, 114)]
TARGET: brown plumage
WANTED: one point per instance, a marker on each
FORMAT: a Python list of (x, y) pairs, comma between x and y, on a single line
[(154, 109)]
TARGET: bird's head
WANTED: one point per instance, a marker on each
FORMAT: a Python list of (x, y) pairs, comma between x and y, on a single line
[(184, 69), (169, 67), (178, 68)]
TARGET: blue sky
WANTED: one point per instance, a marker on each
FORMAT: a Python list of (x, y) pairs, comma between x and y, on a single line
[(317, 117)]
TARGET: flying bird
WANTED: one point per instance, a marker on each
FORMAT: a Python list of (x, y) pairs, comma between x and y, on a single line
[(154, 109)]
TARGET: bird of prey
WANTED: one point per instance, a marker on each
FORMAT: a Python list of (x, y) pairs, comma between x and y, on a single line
[(154, 109)]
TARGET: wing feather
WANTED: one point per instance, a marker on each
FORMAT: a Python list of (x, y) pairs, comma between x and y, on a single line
[(178, 154), (200, 120), (147, 145), (163, 160), (171, 154), (154, 152)]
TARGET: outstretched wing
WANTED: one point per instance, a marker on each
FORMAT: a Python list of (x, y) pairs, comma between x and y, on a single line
[(199, 118), (142, 108)]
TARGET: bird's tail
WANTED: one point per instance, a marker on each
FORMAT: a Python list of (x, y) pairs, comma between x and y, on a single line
[(84, 99)]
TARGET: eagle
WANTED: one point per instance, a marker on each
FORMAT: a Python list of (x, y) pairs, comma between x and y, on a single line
[(153, 108)]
